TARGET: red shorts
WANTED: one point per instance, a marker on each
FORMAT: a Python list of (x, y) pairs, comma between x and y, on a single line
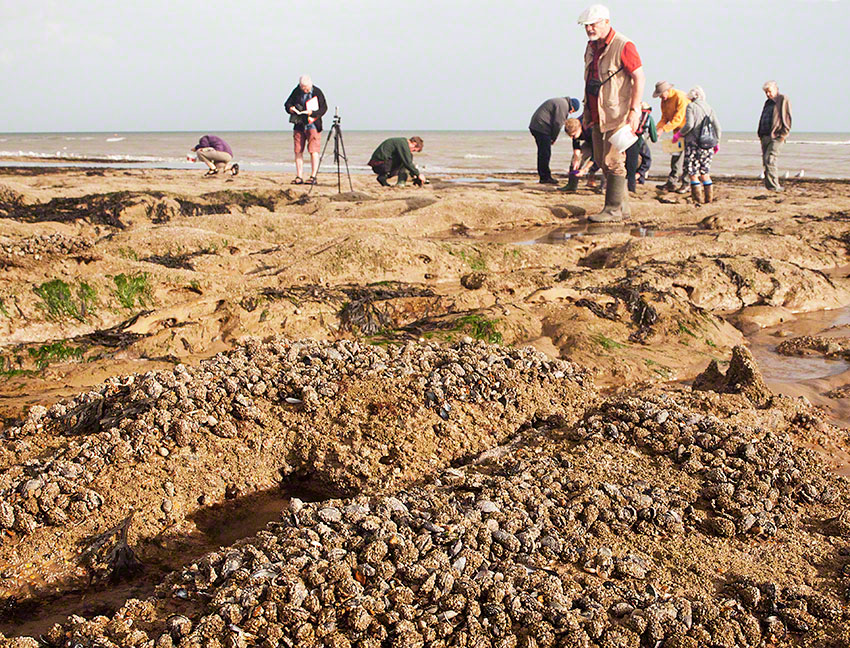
[(311, 138)]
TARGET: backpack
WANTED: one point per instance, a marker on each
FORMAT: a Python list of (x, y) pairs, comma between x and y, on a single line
[(707, 135)]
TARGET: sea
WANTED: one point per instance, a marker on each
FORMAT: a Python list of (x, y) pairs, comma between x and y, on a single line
[(811, 155)]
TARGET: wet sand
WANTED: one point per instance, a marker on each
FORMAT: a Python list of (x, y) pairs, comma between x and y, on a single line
[(173, 269)]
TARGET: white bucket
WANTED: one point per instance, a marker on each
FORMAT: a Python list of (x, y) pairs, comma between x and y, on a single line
[(623, 138)]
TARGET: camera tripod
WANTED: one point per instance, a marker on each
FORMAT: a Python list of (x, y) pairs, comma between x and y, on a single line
[(339, 153)]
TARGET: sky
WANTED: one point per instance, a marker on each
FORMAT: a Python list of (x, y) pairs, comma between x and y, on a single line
[(157, 65)]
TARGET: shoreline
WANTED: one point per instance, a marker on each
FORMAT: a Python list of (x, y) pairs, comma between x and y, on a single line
[(95, 165)]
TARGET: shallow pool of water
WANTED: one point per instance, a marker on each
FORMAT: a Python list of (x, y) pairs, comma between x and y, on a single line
[(777, 367)]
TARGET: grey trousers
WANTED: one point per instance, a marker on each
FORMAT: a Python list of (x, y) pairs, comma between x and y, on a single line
[(219, 158), (769, 150), (677, 168)]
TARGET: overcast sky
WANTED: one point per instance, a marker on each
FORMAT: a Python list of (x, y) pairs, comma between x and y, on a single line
[(153, 65)]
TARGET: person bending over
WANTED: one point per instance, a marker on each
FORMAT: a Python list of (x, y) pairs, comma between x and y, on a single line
[(394, 157), (216, 154), (306, 105), (545, 126), (674, 103), (582, 162)]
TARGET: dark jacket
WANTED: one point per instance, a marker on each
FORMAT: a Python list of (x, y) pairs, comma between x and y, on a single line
[(295, 96), (213, 141), (396, 151), (549, 118), (781, 118)]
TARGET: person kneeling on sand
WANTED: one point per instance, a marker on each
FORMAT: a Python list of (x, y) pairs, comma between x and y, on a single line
[(701, 131), (394, 157), (216, 154)]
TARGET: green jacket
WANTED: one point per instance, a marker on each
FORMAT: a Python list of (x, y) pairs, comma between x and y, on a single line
[(650, 130), (397, 151)]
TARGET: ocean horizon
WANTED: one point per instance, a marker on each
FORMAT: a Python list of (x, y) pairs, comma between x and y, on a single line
[(811, 154)]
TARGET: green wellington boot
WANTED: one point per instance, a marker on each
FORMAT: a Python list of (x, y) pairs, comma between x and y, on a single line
[(615, 191)]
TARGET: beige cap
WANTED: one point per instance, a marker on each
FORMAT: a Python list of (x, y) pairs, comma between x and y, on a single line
[(593, 14), (660, 87)]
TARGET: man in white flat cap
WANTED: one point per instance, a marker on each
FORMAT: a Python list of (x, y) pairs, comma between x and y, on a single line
[(614, 81)]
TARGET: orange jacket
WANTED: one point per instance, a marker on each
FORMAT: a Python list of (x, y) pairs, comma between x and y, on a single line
[(673, 111)]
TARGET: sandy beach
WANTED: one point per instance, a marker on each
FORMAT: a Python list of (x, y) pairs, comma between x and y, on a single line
[(468, 416)]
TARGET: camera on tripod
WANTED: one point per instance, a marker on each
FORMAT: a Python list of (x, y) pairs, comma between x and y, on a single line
[(335, 133)]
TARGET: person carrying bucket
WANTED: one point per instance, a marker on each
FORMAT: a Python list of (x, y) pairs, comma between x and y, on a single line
[(614, 81)]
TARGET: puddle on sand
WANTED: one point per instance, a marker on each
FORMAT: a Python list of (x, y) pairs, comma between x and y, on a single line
[(810, 376), (782, 368), (566, 234), (465, 180)]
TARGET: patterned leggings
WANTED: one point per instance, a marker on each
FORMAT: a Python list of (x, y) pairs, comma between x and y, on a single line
[(697, 160)]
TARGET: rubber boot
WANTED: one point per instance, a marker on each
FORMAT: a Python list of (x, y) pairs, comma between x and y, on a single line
[(626, 208), (572, 184), (709, 192), (382, 180), (615, 191), (402, 178), (696, 193)]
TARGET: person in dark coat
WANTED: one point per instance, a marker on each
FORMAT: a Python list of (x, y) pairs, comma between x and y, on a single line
[(638, 155), (306, 105), (394, 158), (545, 126)]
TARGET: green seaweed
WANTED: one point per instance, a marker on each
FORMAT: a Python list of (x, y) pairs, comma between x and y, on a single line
[(59, 351), (607, 343), (133, 289), (60, 301), (479, 327)]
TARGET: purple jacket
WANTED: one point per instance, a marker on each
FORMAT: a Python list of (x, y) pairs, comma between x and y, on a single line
[(213, 141)]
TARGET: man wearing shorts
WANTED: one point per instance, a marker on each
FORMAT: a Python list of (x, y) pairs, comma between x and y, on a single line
[(306, 105)]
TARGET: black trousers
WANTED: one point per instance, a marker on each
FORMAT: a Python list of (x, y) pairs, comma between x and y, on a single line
[(638, 161), (544, 154), (389, 169)]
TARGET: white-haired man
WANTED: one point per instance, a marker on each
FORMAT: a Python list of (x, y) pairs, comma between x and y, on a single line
[(774, 126), (614, 81), (306, 105)]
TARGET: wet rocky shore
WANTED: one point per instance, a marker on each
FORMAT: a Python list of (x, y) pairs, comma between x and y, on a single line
[(426, 418)]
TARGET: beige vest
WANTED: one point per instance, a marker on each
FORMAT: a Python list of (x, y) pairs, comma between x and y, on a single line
[(615, 95)]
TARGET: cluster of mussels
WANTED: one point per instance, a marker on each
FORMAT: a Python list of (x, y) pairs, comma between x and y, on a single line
[(752, 483), (527, 551), (43, 244), (135, 418), (50, 493)]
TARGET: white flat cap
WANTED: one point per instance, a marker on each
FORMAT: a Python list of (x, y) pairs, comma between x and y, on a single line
[(593, 14)]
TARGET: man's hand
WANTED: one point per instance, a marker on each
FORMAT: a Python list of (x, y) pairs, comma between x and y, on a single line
[(634, 119), (292, 109)]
